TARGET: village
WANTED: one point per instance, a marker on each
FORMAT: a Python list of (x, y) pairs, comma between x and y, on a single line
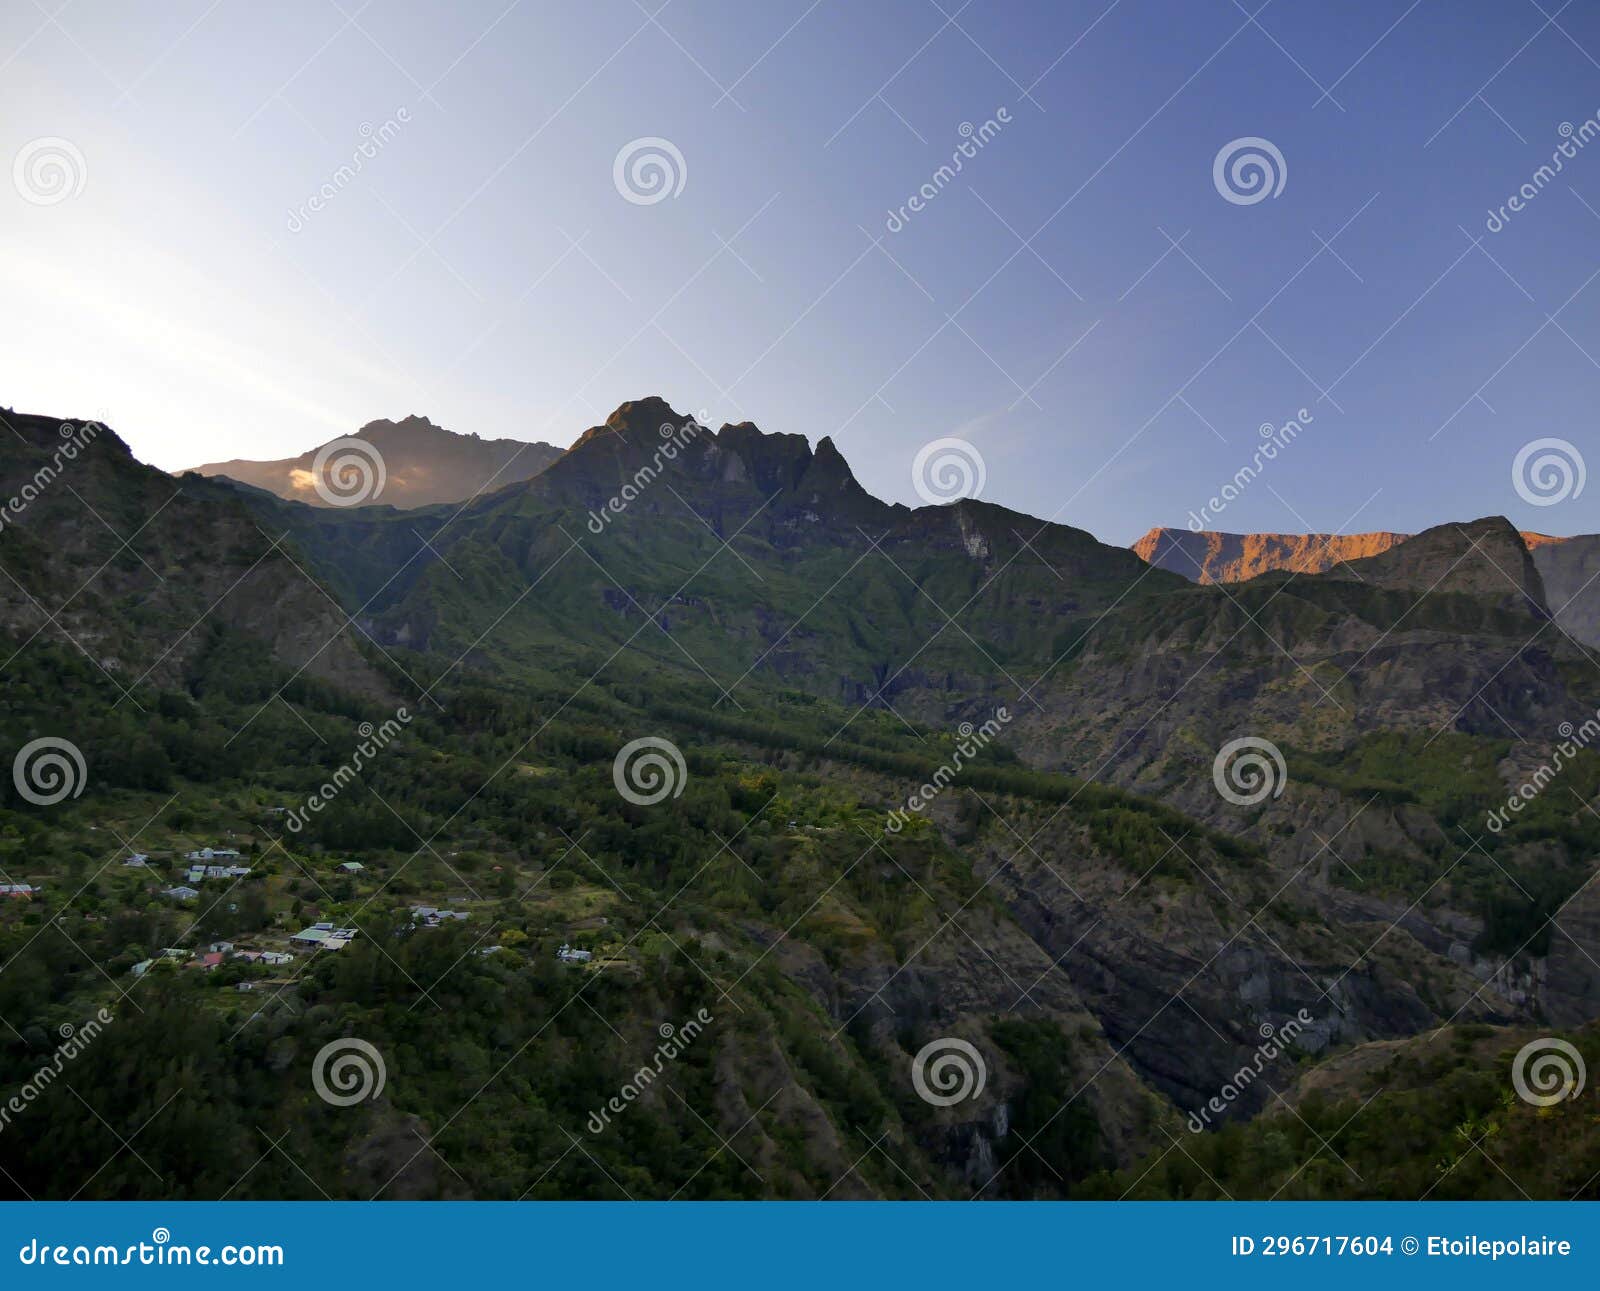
[(253, 916)]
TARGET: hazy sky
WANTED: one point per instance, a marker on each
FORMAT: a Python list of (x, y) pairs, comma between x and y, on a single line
[(480, 264)]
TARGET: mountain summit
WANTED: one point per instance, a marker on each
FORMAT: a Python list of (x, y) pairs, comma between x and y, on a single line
[(423, 464)]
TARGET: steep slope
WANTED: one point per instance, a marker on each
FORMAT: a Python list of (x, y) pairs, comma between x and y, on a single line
[(143, 575), (422, 464), (1570, 568)]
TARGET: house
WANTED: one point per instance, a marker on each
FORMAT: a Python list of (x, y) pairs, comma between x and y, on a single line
[(175, 952), (431, 916), (567, 955), (196, 874), (210, 960), (352, 867), (137, 861), (220, 947), (276, 957), (325, 935), (249, 956), (245, 986), (142, 967), (213, 854), (17, 891), (181, 893), (492, 950), (237, 872)]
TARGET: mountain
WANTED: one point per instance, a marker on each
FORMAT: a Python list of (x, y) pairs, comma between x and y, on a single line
[(1568, 567), (1208, 556), (422, 464), (945, 780)]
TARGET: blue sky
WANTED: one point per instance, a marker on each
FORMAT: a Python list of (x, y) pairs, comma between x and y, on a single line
[(483, 268)]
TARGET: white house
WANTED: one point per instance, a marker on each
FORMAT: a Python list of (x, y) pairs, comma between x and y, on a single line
[(221, 947), (352, 867), (181, 893), (142, 967), (567, 955)]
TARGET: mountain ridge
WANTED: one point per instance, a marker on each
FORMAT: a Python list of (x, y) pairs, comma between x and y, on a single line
[(423, 464)]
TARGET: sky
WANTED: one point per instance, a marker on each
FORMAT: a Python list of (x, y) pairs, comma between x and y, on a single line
[(240, 230)]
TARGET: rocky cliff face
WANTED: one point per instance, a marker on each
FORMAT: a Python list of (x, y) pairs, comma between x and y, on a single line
[(422, 464), (1213, 557), (1570, 568)]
